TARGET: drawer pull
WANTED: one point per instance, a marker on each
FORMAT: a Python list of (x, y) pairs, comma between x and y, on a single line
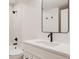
[(26, 58)]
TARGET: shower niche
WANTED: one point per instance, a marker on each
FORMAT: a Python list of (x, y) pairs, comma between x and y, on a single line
[(55, 16)]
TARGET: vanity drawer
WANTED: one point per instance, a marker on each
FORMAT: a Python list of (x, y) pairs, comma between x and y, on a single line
[(27, 55), (43, 54), (36, 57)]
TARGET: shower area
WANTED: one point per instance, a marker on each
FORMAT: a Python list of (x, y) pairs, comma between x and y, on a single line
[(24, 20), (23, 25), (15, 32), (15, 25)]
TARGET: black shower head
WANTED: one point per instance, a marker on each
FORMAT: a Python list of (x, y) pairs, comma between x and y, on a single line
[(14, 12), (16, 39)]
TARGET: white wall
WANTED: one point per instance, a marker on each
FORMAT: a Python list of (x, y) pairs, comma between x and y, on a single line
[(49, 4), (15, 25), (27, 23), (30, 17), (11, 26)]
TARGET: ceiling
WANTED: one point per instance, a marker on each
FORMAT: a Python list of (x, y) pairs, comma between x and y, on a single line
[(49, 4), (14, 2)]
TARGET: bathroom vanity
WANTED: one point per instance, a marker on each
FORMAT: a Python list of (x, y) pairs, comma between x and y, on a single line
[(47, 16), (44, 49)]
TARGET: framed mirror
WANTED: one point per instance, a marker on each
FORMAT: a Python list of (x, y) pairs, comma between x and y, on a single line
[(55, 16)]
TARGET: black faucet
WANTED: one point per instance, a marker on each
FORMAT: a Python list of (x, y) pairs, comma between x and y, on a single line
[(51, 38), (15, 44)]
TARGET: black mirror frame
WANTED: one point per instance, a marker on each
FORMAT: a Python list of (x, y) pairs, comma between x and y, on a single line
[(59, 19)]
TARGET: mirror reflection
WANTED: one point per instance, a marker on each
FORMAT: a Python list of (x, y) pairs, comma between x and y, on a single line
[(55, 16)]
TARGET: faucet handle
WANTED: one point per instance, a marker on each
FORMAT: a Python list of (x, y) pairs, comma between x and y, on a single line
[(14, 43)]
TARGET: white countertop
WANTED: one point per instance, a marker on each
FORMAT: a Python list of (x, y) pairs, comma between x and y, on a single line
[(58, 48)]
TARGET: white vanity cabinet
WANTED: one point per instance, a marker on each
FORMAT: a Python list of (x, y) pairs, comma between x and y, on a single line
[(36, 57), (29, 56), (39, 53)]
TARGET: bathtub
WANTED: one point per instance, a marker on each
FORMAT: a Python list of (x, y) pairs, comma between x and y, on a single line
[(15, 53)]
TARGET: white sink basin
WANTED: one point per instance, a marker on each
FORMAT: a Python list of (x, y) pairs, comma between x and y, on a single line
[(54, 47), (51, 44)]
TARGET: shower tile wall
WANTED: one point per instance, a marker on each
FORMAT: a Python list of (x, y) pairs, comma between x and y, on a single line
[(11, 25), (15, 26)]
